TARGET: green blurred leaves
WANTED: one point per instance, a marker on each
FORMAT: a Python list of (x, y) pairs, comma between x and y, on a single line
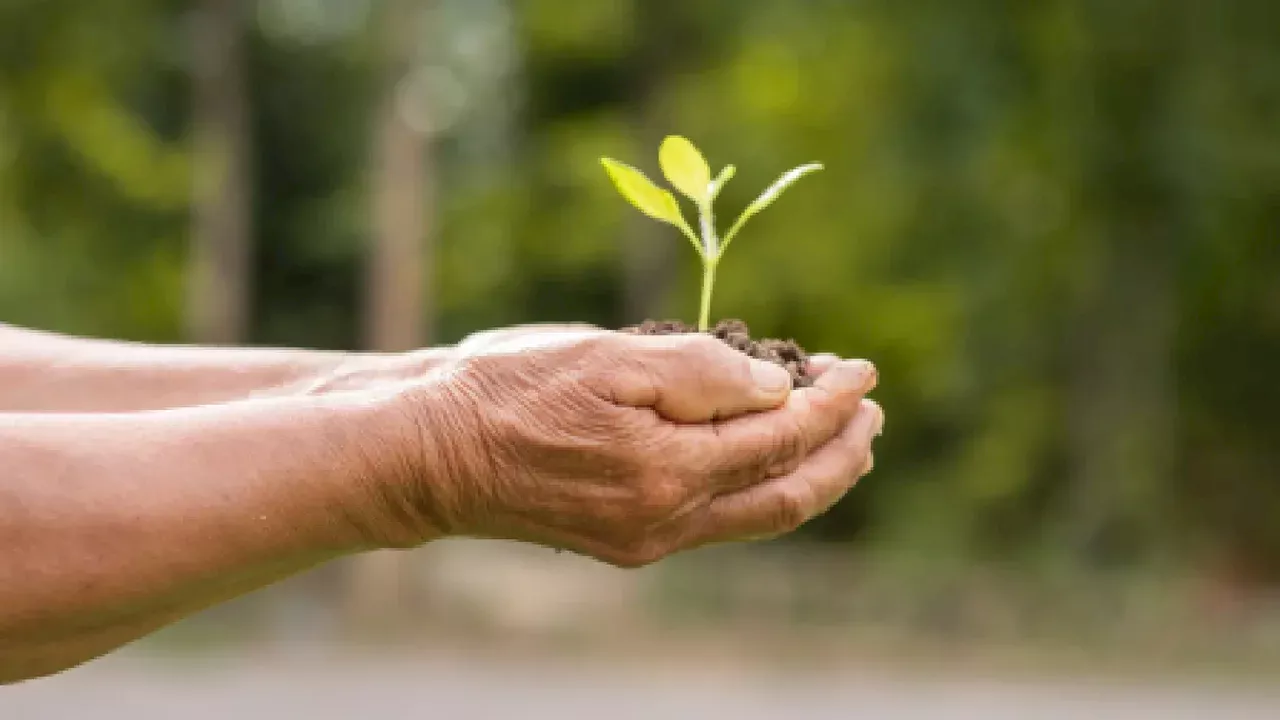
[(1009, 189), (115, 143)]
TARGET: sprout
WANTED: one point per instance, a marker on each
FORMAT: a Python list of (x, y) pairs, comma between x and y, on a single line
[(687, 171)]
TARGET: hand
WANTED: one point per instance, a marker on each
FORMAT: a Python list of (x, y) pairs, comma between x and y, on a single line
[(624, 448), (362, 371)]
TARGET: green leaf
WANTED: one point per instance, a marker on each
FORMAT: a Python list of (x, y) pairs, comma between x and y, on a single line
[(773, 191), (767, 197), (685, 168), (718, 184), (641, 192), (648, 198)]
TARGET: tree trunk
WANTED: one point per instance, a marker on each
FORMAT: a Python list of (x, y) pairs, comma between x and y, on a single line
[(220, 265), (1123, 391), (398, 308)]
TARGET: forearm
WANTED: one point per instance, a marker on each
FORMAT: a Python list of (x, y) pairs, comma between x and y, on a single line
[(43, 372), (114, 525)]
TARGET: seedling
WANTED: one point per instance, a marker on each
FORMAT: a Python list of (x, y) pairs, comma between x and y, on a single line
[(688, 172)]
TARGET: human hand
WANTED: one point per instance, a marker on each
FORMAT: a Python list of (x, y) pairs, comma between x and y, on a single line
[(621, 447), (359, 371)]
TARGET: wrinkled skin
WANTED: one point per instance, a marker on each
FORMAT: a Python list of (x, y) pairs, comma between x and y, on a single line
[(148, 483), (620, 447)]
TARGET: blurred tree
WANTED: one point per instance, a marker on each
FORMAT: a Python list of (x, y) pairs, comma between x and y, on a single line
[(1053, 225), (399, 297), (219, 286), (95, 178)]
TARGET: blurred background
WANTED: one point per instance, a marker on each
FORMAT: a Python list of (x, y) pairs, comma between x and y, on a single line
[(1054, 225)]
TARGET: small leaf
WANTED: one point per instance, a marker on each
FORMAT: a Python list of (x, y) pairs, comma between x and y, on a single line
[(767, 197), (685, 168), (718, 184), (773, 191), (648, 198)]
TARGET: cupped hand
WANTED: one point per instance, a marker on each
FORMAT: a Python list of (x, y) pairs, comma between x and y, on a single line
[(362, 371), (623, 447)]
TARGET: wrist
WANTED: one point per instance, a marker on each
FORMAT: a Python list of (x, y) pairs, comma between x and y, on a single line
[(328, 373), (329, 460), (397, 445)]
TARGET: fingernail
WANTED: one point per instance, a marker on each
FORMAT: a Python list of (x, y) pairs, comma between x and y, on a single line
[(871, 375), (879, 418), (770, 378), (857, 376)]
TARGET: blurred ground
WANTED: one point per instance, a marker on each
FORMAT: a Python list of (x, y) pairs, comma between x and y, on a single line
[(321, 688), (721, 633)]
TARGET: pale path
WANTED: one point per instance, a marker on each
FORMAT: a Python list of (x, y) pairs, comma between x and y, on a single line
[(123, 689)]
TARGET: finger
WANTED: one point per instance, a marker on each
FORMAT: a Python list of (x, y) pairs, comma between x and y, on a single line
[(548, 327), (820, 363), (784, 504), (499, 338), (839, 466), (753, 449), (694, 378)]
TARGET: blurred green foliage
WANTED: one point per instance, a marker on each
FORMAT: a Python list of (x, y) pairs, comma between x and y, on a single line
[(1053, 225)]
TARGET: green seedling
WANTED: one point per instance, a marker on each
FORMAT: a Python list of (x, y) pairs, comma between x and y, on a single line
[(688, 172)]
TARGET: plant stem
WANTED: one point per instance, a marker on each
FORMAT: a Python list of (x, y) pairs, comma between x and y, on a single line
[(708, 282), (710, 257), (707, 224)]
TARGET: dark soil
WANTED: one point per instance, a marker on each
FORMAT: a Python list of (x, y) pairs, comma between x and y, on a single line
[(735, 333)]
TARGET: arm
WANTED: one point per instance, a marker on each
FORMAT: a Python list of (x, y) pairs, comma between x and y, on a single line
[(112, 525), (44, 372), (622, 448)]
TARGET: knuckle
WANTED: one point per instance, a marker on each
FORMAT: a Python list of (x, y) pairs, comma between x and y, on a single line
[(859, 451), (660, 496), (823, 402), (792, 508), (777, 449), (693, 462), (826, 414), (790, 446)]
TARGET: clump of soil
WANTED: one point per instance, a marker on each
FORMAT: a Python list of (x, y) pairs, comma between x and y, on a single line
[(736, 335)]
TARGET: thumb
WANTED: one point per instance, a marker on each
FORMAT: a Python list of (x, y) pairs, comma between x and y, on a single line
[(697, 378)]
